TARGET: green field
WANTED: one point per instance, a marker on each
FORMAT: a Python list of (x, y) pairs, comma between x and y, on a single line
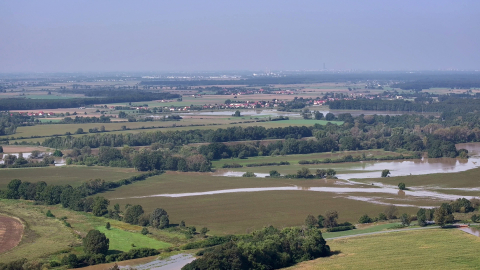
[(123, 240), (71, 175), (184, 124), (426, 249)]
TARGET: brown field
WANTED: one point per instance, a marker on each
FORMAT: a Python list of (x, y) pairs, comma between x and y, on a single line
[(11, 231), (245, 211), (22, 149)]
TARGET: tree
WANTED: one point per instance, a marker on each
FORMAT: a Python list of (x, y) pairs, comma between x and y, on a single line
[(382, 216), (100, 206), (385, 173), (122, 114), (391, 211), (331, 219), (237, 113), (405, 219), (79, 131), (70, 260), (182, 224), (164, 222), (443, 215), (365, 219), (274, 173), (145, 231), (401, 186), (421, 217), (57, 153), (304, 173), (318, 115), (132, 214), (321, 219), (204, 231), (1, 149), (107, 226), (249, 174), (329, 116), (156, 218), (95, 243), (311, 221)]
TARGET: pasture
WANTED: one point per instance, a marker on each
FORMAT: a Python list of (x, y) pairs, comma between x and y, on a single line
[(425, 249), (65, 175)]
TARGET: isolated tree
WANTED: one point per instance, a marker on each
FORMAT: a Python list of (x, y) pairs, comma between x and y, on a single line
[(132, 214), (145, 231), (331, 219), (385, 173), (402, 186), (107, 226), (405, 219), (237, 113), (274, 173), (95, 243), (391, 211), (204, 231), (311, 221), (159, 218), (79, 131)]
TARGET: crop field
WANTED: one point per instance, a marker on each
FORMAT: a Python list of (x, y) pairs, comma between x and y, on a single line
[(426, 249), (243, 211), (184, 124), (71, 175)]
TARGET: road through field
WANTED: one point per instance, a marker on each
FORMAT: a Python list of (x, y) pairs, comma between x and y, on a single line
[(11, 231)]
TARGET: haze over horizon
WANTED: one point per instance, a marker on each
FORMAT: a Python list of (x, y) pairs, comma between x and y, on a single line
[(96, 36)]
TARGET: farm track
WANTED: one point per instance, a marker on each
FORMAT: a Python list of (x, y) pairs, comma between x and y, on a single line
[(11, 231)]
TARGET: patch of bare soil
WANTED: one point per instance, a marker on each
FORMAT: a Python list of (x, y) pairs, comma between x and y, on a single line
[(11, 231)]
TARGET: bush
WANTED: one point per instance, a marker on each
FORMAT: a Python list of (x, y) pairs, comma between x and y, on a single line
[(365, 219), (145, 231), (402, 186), (341, 228), (382, 216), (249, 174), (49, 214), (107, 226)]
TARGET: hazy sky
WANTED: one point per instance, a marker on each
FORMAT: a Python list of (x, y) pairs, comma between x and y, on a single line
[(175, 35)]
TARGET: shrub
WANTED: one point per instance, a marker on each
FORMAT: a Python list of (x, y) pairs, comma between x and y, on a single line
[(249, 174), (365, 219), (145, 231), (49, 214), (341, 228), (382, 216), (107, 226), (402, 186)]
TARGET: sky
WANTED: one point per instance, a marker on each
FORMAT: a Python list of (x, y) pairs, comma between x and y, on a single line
[(181, 35)]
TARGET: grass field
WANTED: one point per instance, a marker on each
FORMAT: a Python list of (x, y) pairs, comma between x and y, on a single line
[(123, 240), (71, 175), (427, 249), (42, 237), (245, 211), (49, 239)]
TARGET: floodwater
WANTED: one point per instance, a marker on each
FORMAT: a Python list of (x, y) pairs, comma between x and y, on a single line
[(172, 263), (58, 161), (240, 174), (382, 190), (473, 231), (275, 112)]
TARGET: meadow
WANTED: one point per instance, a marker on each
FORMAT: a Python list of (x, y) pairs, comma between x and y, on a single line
[(65, 175), (425, 249), (47, 238)]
